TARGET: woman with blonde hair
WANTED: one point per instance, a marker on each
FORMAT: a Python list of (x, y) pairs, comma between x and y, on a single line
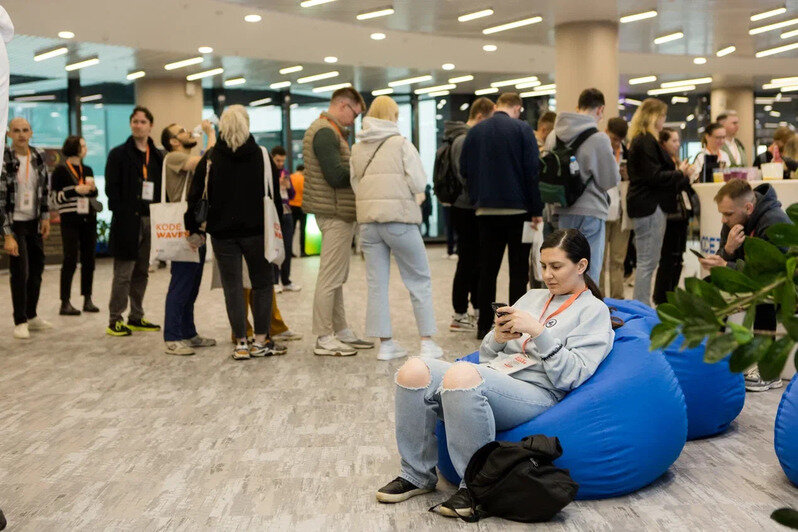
[(232, 177), (386, 174), (654, 183)]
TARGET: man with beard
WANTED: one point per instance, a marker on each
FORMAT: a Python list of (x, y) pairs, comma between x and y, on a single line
[(179, 331)]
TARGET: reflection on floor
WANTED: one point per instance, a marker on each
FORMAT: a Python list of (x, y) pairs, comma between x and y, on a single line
[(111, 433)]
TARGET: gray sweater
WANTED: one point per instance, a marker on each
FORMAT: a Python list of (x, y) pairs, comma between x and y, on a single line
[(583, 330), (595, 158)]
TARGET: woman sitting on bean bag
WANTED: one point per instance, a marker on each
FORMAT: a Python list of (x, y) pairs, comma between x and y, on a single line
[(547, 344)]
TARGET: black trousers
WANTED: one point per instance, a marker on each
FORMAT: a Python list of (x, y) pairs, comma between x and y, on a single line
[(26, 270), (495, 234), (671, 259), (299, 216), (451, 236), (78, 237), (466, 276)]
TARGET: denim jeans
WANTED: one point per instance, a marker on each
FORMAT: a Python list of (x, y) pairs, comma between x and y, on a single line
[(649, 233), (594, 230), (180, 298), (472, 417), (379, 240)]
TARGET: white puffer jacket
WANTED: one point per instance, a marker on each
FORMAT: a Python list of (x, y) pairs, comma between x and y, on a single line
[(387, 192)]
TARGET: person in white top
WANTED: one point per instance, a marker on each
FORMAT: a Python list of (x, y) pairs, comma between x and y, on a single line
[(386, 174), (731, 145), (714, 139)]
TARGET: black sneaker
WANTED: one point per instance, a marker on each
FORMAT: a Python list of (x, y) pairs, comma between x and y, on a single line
[(268, 348), (399, 490), (142, 325), (68, 310), (458, 505), (118, 329), (3, 522)]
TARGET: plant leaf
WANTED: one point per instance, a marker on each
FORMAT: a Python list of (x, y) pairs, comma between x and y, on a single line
[(786, 516), (783, 235), (732, 281), (792, 212), (742, 335), (693, 306), (718, 347), (662, 335), (786, 297), (749, 354), (750, 314), (704, 290), (762, 256), (791, 325), (670, 313), (775, 358)]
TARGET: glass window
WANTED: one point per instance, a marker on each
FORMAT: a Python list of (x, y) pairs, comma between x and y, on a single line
[(49, 121), (427, 147)]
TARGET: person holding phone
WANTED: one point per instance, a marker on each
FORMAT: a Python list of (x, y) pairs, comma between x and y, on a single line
[(544, 346)]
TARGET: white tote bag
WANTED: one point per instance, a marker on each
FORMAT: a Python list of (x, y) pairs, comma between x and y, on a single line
[(168, 228), (273, 244)]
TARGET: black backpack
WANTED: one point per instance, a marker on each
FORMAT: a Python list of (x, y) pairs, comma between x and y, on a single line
[(445, 184), (518, 481), (560, 181)]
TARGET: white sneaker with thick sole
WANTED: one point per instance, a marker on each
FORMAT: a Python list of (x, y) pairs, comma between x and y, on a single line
[(287, 336), (278, 289), (38, 324), (178, 348), (332, 347), (430, 349), (21, 331), (292, 287), (462, 323), (391, 351)]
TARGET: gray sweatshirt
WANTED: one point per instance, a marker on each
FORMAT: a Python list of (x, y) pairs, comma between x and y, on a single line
[(595, 158), (583, 330)]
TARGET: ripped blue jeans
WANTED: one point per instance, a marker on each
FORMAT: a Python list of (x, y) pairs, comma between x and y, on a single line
[(472, 417)]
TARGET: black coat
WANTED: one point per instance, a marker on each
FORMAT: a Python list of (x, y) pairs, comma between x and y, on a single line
[(653, 178), (124, 178)]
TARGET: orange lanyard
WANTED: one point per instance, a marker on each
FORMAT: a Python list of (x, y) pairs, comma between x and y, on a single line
[(75, 173), (560, 310), (333, 124), (146, 162), (27, 170)]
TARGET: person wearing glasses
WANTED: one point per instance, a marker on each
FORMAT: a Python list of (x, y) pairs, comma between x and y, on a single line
[(714, 140), (179, 332), (328, 195)]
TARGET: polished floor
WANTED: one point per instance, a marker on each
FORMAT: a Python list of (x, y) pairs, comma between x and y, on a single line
[(100, 433)]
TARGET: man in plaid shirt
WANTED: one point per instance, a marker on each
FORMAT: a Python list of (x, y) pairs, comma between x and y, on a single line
[(24, 187)]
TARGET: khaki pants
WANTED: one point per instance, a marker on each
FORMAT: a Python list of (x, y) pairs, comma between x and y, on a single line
[(614, 254), (277, 325), (336, 249)]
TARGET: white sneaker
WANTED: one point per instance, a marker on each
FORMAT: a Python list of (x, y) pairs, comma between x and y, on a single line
[(332, 347), (21, 331), (38, 324), (390, 351), (178, 348), (278, 289), (287, 336), (350, 338), (292, 287), (429, 349), (453, 256)]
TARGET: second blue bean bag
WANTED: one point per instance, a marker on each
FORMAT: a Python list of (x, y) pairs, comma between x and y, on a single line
[(714, 395), (620, 430), (786, 434)]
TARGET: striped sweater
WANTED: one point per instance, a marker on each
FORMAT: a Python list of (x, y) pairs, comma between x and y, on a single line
[(66, 197)]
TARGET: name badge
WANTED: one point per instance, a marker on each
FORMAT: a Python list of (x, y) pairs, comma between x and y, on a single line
[(83, 205), (27, 199), (511, 364), (148, 191)]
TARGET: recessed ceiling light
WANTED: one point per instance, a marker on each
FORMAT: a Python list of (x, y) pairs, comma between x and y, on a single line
[(448, 66), (280, 85), (726, 51), (436, 88), (317, 77), (232, 82), (638, 16), (774, 26), (381, 92), (205, 50), (669, 37), (91, 61), (682, 99), (528, 85), (184, 63), (262, 101), (91, 98), (679, 83), (777, 50), (768, 14), (475, 15), (136, 75), (66, 34), (516, 81), (289, 70), (644, 79), (630, 101), (438, 95), (376, 13), (205, 74), (689, 117), (775, 114), (786, 81), (670, 90), (49, 54), (789, 34), (311, 3), (409, 81), (330, 59), (546, 87), (512, 25), (253, 18), (331, 88), (532, 94), (481, 92), (37, 98), (378, 36), (791, 88), (461, 79), (490, 47), (463, 106), (700, 60)]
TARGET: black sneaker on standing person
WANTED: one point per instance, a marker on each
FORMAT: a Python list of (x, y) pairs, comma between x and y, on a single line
[(269, 348), (399, 490), (142, 325), (118, 328)]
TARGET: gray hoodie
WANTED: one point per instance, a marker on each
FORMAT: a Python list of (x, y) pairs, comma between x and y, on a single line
[(595, 158), (455, 132)]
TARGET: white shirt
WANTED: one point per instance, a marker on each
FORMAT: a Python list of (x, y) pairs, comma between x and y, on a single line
[(25, 185), (698, 163)]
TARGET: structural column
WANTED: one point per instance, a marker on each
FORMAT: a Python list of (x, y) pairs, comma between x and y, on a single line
[(172, 101), (586, 55), (74, 105), (740, 99)]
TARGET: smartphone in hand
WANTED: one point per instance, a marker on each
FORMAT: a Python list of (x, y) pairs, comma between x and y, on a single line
[(698, 254), (496, 307)]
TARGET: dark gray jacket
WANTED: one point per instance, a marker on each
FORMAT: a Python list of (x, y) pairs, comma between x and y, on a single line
[(455, 132)]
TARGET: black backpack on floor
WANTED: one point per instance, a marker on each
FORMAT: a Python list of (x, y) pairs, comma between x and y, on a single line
[(560, 180), (518, 481)]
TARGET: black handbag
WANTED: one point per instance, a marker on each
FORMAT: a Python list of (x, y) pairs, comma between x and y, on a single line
[(203, 206)]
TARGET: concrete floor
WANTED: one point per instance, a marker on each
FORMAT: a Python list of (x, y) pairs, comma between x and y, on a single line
[(100, 433)]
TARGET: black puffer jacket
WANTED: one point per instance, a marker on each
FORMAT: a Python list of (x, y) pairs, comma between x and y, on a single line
[(767, 212), (235, 191)]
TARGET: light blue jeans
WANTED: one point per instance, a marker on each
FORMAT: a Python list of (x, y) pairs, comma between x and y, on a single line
[(649, 234), (472, 418), (594, 230), (379, 240)]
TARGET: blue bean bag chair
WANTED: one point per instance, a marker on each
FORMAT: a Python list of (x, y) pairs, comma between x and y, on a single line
[(714, 395), (786, 436), (620, 430)]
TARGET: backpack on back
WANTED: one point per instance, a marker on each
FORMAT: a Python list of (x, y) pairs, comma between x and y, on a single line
[(560, 181), (444, 182)]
